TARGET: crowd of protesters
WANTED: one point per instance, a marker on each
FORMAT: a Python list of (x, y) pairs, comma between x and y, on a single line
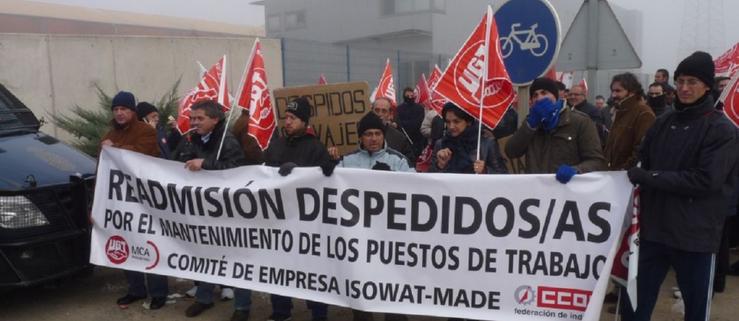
[(674, 142)]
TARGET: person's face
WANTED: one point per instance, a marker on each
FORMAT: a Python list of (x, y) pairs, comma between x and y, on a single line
[(201, 122), (293, 124), (690, 89), (455, 125), (576, 96), (722, 84), (152, 118), (382, 109), (655, 91), (600, 102), (541, 94), (409, 95), (123, 115), (372, 140), (618, 92), (670, 97), (660, 77)]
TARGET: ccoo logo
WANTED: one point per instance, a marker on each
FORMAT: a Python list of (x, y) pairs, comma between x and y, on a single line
[(116, 249)]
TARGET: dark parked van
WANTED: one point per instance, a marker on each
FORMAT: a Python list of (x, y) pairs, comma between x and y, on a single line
[(45, 195)]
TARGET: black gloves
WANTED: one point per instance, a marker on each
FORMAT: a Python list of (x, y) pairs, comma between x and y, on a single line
[(380, 166), (328, 168), (638, 175), (287, 168)]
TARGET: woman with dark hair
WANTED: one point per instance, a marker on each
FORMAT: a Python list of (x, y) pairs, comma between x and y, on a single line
[(456, 152)]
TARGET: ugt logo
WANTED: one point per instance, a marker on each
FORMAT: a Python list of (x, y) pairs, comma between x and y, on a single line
[(116, 249)]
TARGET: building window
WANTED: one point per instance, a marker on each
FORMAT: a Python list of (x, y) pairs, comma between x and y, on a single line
[(393, 7), (273, 23), (295, 20)]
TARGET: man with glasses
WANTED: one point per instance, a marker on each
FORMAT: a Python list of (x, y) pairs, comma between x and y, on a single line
[(657, 98), (686, 185), (578, 100), (395, 138)]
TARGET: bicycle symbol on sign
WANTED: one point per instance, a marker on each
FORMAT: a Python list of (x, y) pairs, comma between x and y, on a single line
[(534, 42)]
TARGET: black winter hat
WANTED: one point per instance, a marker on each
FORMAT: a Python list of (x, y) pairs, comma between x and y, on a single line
[(370, 121), (300, 107), (124, 99), (546, 84), (143, 109), (699, 65)]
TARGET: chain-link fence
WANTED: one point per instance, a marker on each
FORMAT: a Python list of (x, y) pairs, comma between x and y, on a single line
[(304, 61)]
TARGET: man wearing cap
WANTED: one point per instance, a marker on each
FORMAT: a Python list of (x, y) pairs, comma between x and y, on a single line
[(131, 134), (128, 132), (686, 159), (297, 148), (373, 151), (555, 139), (149, 114)]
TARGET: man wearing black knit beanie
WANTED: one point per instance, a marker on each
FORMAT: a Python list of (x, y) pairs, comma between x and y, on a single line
[(686, 185)]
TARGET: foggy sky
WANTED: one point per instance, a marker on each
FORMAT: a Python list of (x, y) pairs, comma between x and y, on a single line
[(663, 20)]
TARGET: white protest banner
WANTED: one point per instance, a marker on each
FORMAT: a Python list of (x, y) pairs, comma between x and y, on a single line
[(501, 247)]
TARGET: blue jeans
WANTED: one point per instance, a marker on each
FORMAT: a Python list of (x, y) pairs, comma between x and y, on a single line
[(694, 272), (137, 282), (282, 306), (242, 297)]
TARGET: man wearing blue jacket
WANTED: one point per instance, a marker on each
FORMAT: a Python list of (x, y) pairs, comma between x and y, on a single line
[(373, 150)]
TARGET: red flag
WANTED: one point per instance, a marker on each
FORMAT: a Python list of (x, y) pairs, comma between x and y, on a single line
[(434, 76), (254, 96), (424, 160), (476, 76), (386, 87), (728, 63), (584, 84), (422, 92), (730, 98), (551, 74), (437, 100), (212, 86), (565, 78), (626, 266), (322, 80)]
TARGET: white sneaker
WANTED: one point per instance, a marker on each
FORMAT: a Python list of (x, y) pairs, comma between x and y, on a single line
[(191, 292), (677, 294), (227, 294)]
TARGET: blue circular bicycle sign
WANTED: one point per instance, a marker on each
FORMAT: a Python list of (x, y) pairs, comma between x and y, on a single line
[(529, 38)]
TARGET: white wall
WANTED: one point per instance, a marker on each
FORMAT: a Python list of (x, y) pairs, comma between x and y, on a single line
[(52, 73)]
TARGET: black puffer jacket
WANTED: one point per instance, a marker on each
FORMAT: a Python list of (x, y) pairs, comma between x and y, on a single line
[(690, 153), (304, 150), (231, 154)]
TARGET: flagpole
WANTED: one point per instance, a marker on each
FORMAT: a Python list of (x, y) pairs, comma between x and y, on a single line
[(488, 21), (726, 90), (221, 100)]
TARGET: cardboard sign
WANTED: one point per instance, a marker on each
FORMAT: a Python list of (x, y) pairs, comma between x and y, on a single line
[(337, 108)]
